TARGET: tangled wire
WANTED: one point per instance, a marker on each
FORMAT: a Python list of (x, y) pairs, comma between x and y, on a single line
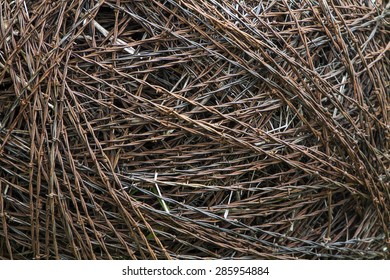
[(193, 129)]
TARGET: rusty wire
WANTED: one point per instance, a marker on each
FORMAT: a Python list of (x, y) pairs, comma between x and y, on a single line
[(194, 129)]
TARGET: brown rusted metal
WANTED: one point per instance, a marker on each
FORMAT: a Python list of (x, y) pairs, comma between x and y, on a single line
[(194, 129)]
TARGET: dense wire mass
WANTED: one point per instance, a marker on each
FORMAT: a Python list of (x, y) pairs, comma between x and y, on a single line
[(194, 129)]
